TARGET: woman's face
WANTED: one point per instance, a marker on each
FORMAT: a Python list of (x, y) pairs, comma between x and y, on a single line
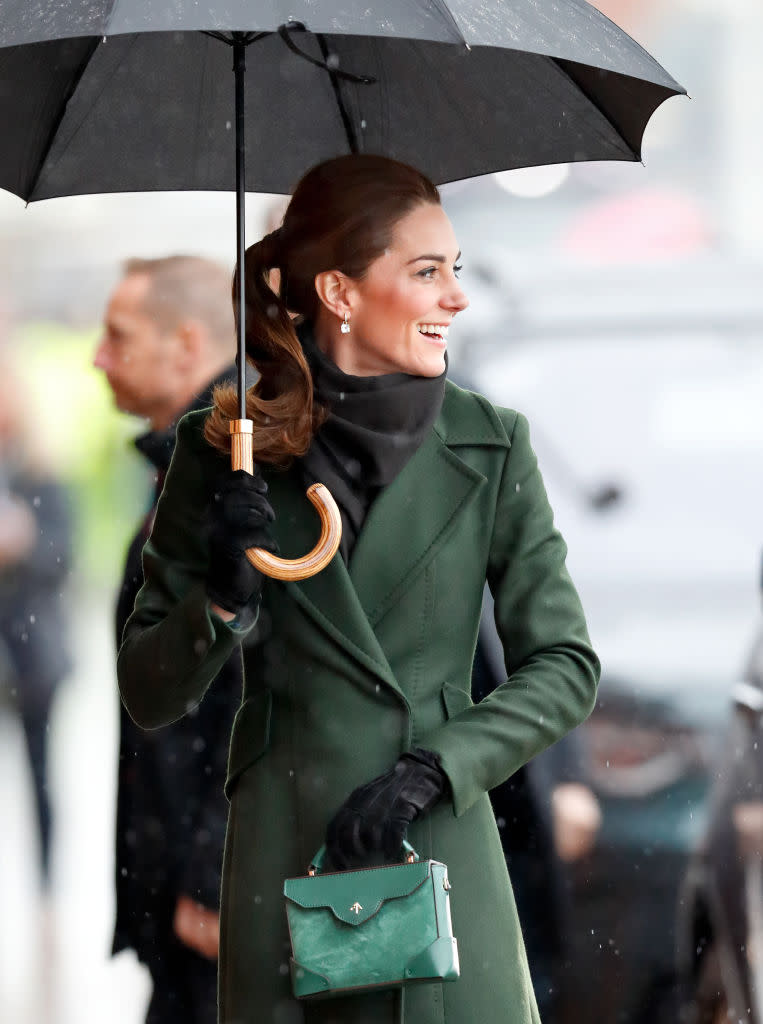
[(401, 310)]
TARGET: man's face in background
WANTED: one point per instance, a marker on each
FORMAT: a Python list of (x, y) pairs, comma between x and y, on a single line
[(139, 360)]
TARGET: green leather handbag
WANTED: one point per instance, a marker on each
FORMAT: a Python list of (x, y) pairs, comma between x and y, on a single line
[(377, 927)]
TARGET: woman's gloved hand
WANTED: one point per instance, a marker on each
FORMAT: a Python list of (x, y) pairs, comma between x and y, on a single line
[(375, 817), (241, 519)]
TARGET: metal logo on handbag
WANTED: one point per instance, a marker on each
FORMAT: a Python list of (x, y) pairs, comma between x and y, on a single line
[(372, 928)]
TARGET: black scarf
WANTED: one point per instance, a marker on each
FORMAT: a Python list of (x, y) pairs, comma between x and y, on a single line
[(374, 426)]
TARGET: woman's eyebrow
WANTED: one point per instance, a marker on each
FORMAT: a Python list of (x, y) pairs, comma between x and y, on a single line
[(433, 256)]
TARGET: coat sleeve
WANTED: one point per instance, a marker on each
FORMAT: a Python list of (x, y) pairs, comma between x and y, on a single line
[(552, 670), (173, 645)]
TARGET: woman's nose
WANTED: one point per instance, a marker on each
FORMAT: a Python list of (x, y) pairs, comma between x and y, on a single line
[(456, 300)]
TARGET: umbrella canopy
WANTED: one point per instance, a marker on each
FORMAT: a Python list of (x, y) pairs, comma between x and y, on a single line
[(132, 95)]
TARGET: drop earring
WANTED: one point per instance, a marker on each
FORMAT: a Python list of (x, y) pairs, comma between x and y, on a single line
[(345, 325)]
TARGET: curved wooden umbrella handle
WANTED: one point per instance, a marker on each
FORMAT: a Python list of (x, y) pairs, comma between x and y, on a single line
[(320, 496)]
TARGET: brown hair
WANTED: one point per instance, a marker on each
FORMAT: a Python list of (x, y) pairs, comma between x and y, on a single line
[(341, 217)]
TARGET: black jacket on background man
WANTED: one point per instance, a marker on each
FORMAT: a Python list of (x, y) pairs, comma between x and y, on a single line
[(171, 811)]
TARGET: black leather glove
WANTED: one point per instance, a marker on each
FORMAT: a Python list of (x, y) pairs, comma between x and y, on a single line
[(375, 817), (241, 517)]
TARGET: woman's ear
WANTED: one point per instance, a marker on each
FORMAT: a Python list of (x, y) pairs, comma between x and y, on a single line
[(334, 289)]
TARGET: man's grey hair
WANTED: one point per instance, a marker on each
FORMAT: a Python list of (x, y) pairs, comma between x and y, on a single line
[(188, 288)]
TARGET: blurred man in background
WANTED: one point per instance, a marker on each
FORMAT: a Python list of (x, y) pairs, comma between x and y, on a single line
[(168, 339)]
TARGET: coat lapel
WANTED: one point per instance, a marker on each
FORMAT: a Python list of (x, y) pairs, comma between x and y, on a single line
[(328, 597), (408, 523)]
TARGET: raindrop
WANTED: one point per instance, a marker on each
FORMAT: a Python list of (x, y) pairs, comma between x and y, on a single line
[(32, 619), (332, 61), (36, 501), (363, 124), (228, 126), (518, 488)]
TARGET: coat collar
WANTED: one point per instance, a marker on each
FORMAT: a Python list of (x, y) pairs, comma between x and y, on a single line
[(412, 517)]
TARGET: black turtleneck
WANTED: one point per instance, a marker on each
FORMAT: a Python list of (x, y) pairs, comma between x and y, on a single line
[(374, 426)]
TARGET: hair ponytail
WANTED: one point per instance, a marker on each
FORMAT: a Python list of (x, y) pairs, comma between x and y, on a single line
[(280, 404)]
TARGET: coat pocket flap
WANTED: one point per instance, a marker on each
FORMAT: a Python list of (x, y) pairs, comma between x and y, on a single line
[(455, 699), (249, 737), (356, 896)]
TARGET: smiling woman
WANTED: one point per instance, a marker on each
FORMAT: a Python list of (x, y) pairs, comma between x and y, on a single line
[(357, 728)]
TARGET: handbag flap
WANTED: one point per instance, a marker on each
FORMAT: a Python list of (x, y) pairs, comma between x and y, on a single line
[(355, 896)]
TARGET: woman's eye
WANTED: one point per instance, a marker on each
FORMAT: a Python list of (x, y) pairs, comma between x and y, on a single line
[(458, 268), (427, 273)]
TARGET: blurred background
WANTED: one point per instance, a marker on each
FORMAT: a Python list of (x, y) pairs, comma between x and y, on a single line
[(620, 307)]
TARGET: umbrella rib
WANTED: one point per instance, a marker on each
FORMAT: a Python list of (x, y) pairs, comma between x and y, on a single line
[(247, 38), (219, 36), (584, 92), (56, 123), (450, 17)]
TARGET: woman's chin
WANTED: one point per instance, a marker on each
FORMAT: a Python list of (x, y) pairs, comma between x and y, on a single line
[(431, 359), (434, 365)]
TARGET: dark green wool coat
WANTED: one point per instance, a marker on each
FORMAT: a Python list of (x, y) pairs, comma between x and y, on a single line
[(346, 670)]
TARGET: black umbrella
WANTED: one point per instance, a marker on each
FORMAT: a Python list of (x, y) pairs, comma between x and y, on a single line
[(137, 95)]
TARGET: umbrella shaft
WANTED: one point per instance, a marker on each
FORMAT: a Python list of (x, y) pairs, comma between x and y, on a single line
[(239, 69)]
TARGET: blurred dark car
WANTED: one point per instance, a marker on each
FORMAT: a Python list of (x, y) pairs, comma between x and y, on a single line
[(642, 388), (721, 916)]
